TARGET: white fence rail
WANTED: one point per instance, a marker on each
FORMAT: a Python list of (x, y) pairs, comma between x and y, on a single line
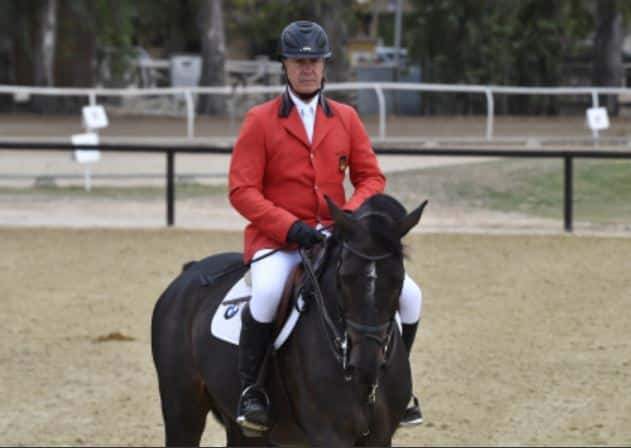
[(378, 87)]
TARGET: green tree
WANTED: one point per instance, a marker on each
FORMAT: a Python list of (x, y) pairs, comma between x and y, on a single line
[(496, 42), (262, 22)]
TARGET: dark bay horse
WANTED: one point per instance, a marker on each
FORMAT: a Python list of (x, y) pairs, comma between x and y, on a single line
[(343, 376)]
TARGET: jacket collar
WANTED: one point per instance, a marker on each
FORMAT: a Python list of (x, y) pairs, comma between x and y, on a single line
[(286, 104)]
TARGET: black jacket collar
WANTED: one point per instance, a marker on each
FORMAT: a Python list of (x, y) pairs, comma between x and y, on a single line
[(286, 104)]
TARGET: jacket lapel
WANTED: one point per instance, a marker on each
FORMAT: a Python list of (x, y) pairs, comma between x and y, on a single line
[(323, 125), (294, 126)]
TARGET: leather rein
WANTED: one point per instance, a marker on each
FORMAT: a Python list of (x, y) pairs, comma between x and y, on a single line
[(339, 340)]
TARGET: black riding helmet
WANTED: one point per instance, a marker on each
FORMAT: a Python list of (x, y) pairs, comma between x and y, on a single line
[(304, 39)]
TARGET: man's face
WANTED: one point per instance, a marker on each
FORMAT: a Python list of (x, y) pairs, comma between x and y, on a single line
[(305, 75)]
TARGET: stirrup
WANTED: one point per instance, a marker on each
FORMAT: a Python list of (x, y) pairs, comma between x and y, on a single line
[(250, 428), (413, 415)]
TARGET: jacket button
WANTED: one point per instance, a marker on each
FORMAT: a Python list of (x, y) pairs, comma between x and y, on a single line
[(315, 187)]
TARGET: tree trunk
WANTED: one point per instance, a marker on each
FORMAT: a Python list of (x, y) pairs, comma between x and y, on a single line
[(75, 58), (44, 53), (332, 17), (213, 55), (608, 68)]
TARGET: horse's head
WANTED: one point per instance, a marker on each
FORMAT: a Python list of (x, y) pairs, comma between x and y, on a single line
[(370, 276)]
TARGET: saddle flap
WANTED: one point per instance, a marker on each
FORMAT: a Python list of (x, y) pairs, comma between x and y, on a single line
[(226, 322)]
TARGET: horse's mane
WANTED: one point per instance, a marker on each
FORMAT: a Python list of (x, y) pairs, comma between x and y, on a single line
[(381, 228)]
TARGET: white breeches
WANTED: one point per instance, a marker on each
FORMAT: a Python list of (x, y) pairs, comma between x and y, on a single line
[(270, 274)]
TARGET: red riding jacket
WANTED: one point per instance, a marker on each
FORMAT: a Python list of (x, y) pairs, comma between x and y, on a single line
[(277, 177)]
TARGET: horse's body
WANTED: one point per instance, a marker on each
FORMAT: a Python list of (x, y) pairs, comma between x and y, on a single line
[(315, 401)]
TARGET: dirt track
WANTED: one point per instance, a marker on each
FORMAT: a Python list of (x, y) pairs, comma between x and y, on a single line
[(524, 340)]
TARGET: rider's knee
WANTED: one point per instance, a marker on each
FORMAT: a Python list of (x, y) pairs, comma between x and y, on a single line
[(268, 281), (411, 301), (265, 300)]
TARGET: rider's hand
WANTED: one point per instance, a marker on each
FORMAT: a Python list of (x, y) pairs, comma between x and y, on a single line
[(304, 235)]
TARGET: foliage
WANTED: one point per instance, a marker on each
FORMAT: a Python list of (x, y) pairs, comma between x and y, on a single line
[(114, 31), (171, 24), (516, 42), (492, 41), (521, 42), (262, 21)]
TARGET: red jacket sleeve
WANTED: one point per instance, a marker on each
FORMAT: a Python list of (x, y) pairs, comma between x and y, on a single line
[(247, 168), (365, 174)]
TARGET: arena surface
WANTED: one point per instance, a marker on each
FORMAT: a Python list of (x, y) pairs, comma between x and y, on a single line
[(524, 339)]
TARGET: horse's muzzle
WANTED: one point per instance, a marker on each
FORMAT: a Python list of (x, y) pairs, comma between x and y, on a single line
[(366, 359)]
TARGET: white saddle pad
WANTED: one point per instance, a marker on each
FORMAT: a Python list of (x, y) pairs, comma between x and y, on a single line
[(226, 323)]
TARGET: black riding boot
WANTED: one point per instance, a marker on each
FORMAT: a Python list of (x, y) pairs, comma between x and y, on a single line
[(413, 414), (408, 333), (253, 408)]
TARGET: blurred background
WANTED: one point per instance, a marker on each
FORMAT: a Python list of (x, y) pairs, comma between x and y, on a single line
[(138, 43), (423, 74)]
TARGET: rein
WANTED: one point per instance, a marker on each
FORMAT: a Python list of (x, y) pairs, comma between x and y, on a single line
[(339, 344)]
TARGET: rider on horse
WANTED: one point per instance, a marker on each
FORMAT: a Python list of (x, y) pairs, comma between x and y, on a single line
[(291, 151)]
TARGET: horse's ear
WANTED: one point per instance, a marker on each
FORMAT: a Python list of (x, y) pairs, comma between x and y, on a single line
[(343, 222), (406, 224)]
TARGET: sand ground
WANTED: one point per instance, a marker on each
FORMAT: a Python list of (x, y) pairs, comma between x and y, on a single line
[(524, 339)]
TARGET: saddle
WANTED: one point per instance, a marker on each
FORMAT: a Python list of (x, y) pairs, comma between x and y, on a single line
[(226, 322)]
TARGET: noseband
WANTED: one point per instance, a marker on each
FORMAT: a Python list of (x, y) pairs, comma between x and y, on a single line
[(372, 333)]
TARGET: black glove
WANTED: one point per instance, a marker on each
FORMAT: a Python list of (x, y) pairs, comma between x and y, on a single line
[(304, 235)]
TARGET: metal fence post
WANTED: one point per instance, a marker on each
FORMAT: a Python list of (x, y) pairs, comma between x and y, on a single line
[(190, 114), (568, 179), (170, 188), (490, 113), (381, 101)]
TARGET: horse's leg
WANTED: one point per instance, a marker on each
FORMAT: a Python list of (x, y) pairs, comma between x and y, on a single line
[(235, 437), (328, 438), (375, 440), (185, 408)]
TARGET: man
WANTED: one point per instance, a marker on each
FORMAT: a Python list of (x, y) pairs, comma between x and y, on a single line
[(292, 151)]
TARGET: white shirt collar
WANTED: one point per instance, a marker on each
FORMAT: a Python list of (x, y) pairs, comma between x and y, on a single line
[(301, 105), (306, 112)]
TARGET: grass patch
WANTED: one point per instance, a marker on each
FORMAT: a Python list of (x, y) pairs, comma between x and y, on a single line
[(602, 189), (182, 191)]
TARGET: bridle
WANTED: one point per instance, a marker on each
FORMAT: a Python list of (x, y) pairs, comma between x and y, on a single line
[(369, 332), (380, 334)]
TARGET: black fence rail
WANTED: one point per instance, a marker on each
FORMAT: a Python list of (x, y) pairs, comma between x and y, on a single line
[(170, 150)]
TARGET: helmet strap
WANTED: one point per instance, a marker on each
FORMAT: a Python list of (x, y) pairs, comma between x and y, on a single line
[(306, 97)]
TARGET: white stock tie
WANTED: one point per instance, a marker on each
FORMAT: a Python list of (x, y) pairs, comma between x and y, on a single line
[(308, 120)]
